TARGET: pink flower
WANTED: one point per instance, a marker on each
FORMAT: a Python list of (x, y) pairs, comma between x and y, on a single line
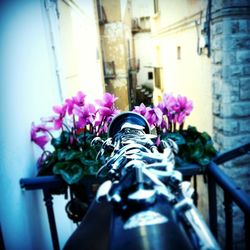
[(185, 105), (86, 114), (104, 116), (107, 101), (104, 112), (169, 106), (185, 108), (142, 109), (175, 109), (154, 116), (39, 135), (170, 102), (78, 100), (61, 112)]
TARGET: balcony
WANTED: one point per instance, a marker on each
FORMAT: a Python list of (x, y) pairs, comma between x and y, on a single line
[(215, 176), (141, 24)]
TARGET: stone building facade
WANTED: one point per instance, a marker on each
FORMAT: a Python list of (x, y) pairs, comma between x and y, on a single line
[(230, 61), (116, 43)]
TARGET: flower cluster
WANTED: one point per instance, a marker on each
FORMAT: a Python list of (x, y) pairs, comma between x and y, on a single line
[(165, 117), (168, 119), (77, 122)]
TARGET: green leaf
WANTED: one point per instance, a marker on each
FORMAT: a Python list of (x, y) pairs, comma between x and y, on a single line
[(192, 129), (177, 137), (56, 142), (210, 149), (87, 162), (71, 173), (195, 149), (59, 166), (61, 154), (91, 170), (205, 136), (72, 155)]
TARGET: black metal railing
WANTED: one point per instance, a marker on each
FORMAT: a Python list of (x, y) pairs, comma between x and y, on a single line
[(232, 194), (216, 177)]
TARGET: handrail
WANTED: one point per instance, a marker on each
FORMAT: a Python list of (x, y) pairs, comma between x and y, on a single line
[(239, 196), (231, 154), (46, 183), (232, 194), (41, 182), (216, 176)]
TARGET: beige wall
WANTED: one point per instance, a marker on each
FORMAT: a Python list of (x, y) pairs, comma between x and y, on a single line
[(190, 75), (172, 12), (176, 25), (114, 42)]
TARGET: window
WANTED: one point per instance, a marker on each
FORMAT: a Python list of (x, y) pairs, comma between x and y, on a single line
[(150, 75), (157, 73), (179, 53)]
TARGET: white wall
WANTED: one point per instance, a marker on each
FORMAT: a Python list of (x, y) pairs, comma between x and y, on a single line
[(189, 75), (80, 48), (142, 44), (28, 90)]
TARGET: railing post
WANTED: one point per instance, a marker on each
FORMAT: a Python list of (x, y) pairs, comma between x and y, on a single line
[(247, 231), (228, 221), (51, 217), (212, 203), (195, 190)]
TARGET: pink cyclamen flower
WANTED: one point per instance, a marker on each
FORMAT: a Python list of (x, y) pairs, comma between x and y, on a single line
[(104, 116), (107, 101), (185, 105), (104, 111), (86, 114), (154, 116), (78, 100), (106, 120), (39, 135), (185, 108), (169, 106), (171, 103), (142, 109), (61, 112)]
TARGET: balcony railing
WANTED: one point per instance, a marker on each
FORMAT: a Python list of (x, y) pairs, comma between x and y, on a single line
[(232, 194), (216, 177)]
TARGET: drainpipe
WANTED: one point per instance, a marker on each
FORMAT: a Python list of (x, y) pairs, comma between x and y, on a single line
[(206, 30)]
